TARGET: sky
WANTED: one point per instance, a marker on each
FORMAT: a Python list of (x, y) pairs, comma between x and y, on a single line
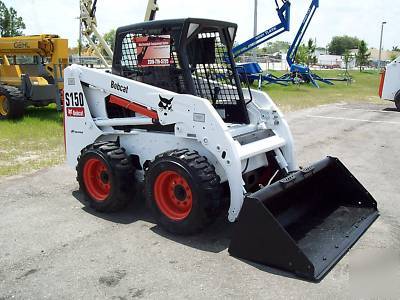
[(360, 18)]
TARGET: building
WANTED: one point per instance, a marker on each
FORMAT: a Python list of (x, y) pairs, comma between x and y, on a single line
[(328, 61), (386, 56)]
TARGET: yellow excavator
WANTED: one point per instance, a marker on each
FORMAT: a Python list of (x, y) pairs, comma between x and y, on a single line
[(31, 72)]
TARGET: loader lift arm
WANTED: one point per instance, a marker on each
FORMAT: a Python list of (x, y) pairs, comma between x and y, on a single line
[(45, 46), (252, 70)]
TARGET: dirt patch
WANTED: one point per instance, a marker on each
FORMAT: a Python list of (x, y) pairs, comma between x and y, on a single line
[(113, 279), (137, 293)]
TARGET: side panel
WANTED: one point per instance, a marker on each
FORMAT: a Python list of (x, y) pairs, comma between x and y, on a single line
[(79, 127)]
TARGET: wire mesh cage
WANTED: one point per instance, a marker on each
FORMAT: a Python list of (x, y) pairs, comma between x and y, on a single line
[(198, 63), (213, 76), (164, 73)]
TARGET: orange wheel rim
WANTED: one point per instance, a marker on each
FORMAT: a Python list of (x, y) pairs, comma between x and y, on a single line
[(173, 195), (96, 178)]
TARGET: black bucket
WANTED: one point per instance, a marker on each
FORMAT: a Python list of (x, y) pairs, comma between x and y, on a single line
[(305, 222)]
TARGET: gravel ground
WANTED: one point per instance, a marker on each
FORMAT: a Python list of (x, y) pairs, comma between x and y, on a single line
[(51, 246)]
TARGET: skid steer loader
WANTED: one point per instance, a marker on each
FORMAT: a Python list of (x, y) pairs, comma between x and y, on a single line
[(173, 116)]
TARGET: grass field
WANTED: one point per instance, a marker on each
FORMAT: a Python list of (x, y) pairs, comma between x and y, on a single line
[(32, 143), (36, 141), (364, 88)]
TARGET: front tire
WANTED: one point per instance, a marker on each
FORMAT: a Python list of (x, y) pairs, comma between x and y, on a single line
[(106, 176), (183, 191), (12, 103)]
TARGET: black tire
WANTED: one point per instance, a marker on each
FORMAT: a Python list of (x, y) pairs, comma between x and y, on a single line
[(119, 175), (12, 103), (397, 100), (204, 184)]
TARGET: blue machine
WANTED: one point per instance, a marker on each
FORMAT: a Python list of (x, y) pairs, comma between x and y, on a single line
[(301, 73), (252, 71)]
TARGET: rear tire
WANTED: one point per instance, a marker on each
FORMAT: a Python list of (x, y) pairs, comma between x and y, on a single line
[(183, 191), (12, 103), (397, 100), (106, 176)]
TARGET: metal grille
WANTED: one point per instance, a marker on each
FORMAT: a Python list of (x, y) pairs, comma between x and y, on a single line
[(213, 78), (215, 81), (165, 77)]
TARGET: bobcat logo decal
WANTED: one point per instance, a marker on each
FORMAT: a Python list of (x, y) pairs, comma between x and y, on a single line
[(165, 103)]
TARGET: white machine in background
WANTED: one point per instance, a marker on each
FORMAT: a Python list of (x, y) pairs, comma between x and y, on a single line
[(389, 88)]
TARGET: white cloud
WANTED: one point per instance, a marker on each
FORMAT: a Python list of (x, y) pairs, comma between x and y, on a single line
[(361, 18)]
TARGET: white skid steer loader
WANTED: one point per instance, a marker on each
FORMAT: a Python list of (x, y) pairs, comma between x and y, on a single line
[(172, 115), (389, 88)]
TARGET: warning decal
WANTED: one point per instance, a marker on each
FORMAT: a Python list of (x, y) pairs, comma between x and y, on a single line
[(153, 51)]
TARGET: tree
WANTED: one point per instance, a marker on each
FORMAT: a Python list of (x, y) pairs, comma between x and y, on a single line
[(347, 58), (10, 23), (362, 55), (301, 55), (311, 58), (109, 37), (396, 48), (394, 55), (340, 44), (277, 46)]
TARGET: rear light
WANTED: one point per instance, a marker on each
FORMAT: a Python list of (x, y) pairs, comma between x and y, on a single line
[(383, 74)]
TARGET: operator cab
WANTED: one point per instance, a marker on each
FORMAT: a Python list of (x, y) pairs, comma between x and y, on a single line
[(185, 56)]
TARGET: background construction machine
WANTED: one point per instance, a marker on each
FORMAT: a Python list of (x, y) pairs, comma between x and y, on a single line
[(299, 73), (252, 71), (88, 27), (89, 31), (172, 115), (31, 72), (389, 88), (152, 8)]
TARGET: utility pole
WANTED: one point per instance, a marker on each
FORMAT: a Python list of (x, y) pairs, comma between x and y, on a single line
[(80, 38), (380, 46), (255, 27)]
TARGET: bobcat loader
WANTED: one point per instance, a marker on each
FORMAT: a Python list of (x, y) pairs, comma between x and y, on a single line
[(173, 116)]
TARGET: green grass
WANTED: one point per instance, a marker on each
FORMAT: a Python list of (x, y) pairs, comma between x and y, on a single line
[(32, 143), (364, 88), (36, 141)]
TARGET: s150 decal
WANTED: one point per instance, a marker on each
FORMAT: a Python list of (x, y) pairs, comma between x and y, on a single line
[(74, 104)]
